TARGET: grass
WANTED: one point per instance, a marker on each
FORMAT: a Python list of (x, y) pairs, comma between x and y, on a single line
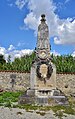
[(65, 109), (28, 107), (59, 114), (10, 99)]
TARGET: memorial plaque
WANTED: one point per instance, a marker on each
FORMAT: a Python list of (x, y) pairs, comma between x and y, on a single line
[(43, 70)]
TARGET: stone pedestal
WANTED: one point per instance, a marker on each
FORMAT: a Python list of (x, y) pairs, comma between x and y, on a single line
[(40, 79)]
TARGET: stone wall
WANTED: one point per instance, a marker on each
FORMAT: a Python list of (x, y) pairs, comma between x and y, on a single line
[(21, 82), (64, 82)]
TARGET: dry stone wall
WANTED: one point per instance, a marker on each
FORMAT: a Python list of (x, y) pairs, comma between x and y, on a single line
[(64, 82), (21, 82)]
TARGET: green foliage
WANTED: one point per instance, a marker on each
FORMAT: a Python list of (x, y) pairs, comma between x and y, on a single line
[(7, 97), (64, 64), (2, 60), (59, 114), (19, 64), (9, 59), (66, 109), (10, 99), (8, 104), (28, 107)]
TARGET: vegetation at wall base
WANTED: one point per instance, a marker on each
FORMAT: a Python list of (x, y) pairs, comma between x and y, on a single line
[(10, 99)]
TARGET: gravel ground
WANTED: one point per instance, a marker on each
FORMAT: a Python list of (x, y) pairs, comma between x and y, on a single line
[(16, 113)]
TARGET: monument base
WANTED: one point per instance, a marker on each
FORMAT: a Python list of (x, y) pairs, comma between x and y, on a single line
[(43, 97)]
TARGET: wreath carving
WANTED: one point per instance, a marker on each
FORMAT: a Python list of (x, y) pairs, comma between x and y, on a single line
[(49, 70)]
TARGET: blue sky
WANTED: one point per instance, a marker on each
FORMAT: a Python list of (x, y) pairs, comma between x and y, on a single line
[(19, 20)]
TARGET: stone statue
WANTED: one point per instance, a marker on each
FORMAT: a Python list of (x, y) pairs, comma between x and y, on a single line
[(43, 71), (43, 44)]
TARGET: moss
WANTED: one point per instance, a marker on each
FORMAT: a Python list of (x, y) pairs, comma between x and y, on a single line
[(69, 110), (8, 104), (71, 101), (59, 114), (66, 109), (45, 108), (28, 107), (58, 107)]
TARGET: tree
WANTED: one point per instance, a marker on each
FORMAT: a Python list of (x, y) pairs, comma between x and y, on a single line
[(9, 59), (2, 60), (63, 63)]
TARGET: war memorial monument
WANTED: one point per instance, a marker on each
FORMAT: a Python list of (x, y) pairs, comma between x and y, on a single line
[(43, 89)]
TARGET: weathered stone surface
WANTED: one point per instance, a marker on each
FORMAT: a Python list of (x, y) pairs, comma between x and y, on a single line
[(43, 72), (21, 81), (17, 113), (43, 44), (64, 82)]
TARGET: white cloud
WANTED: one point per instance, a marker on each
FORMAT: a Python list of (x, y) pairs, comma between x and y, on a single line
[(23, 27), (31, 21), (19, 53), (20, 3), (37, 8), (73, 54), (2, 50), (66, 32), (25, 51), (20, 44), (55, 53), (11, 47), (63, 30), (14, 53)]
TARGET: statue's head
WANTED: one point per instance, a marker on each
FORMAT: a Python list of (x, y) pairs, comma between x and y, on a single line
[(43, 18), (43, 15)]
